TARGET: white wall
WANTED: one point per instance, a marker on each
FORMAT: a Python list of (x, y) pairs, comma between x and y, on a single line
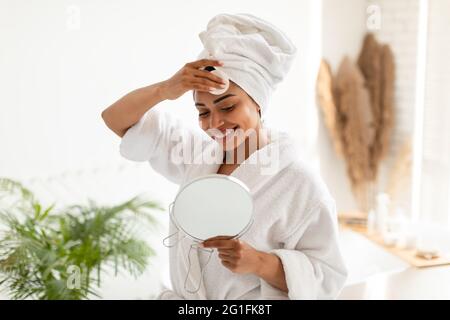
[(400, 29), (435, 180), (343, 29), (55, 81), (59, 72)]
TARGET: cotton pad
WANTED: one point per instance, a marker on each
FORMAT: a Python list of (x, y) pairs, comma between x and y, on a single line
[(223, 76)]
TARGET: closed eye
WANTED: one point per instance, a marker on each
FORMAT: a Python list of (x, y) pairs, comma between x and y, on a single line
[(206, 113), (228, 108)]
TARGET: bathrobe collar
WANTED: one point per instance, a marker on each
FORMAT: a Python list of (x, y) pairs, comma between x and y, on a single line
[(265, 163)]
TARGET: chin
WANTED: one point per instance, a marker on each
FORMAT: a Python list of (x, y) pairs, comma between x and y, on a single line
[(232, 144)]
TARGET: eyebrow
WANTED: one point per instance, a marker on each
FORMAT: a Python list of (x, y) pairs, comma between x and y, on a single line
[(217, 100)]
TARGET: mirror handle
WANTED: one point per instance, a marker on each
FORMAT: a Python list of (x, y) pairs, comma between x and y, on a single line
[(166, 239), (202, 270)]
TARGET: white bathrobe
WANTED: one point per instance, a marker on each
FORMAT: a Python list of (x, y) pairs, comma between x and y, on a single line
[(295, 218)]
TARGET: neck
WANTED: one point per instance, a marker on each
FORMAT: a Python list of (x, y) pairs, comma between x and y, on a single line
[(247, 148)]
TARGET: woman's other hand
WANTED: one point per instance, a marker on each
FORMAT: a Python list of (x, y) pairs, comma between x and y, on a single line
[(236, 255), (240, 257)]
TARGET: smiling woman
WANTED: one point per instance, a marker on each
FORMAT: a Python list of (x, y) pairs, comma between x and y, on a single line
[(291, 251)]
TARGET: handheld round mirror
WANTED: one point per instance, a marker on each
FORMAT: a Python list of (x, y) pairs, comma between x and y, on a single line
[(213, 205)]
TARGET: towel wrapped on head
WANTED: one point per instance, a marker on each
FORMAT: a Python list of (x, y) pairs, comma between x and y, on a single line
[(256, 55)]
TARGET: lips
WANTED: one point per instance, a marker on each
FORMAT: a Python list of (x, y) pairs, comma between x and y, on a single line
[(225, 133)]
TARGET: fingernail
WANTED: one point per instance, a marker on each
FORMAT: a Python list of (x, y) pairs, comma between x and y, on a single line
[(222, 85), (220, 62)]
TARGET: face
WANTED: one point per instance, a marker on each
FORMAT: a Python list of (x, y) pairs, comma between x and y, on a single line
[(228, 118)]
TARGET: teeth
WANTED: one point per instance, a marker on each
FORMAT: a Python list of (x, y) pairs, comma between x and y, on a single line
[(227, 133)]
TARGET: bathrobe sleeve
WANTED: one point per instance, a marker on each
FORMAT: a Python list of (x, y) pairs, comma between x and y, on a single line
[(158, 137), (311, 258)]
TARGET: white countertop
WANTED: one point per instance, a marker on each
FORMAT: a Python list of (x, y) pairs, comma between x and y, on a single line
[(377, 274), (412, 283)]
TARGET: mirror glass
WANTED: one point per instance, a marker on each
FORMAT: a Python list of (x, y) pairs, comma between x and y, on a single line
[(213, 205)]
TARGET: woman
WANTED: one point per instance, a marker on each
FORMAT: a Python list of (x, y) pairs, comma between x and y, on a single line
[(291, 251)]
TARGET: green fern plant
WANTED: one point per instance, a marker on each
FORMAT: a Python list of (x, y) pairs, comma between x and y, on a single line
[(49, 253)]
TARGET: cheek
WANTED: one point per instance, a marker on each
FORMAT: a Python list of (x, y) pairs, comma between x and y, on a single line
[(203, 124), (249, 119)]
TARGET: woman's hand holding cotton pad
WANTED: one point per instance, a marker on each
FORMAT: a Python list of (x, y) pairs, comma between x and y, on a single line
[(193, 76), (216, 71)]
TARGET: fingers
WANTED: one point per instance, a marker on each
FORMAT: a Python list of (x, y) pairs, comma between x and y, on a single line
[(208, 75), (205, 83), (228, 255), (221, 244), (201, 87), (229, 265), (204, 63), (220, 238), (225, 258), (201, 80)]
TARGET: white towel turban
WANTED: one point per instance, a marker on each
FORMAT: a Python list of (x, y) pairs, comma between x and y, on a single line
[(256, 55)]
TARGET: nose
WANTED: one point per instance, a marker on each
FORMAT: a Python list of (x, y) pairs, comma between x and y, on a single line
[(215, 121)]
